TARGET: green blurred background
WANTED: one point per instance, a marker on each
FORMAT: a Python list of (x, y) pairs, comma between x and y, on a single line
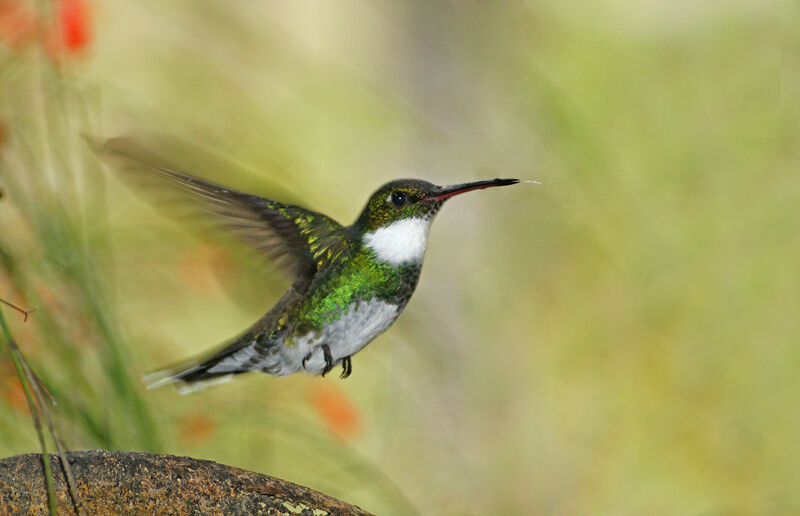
[(622, 339)]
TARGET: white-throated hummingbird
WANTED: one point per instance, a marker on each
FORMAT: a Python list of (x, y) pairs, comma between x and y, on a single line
[(350, 282)]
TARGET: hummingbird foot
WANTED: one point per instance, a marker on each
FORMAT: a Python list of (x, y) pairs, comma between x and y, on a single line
[(347, 367), (326, 351)]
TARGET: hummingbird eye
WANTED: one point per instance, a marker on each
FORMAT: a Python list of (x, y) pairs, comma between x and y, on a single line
[(398, 198)]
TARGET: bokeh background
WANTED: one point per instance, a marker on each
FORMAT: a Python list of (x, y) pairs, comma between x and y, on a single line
[(622, 339)]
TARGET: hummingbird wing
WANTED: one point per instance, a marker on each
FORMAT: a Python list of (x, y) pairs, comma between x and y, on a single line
[(298, 239)]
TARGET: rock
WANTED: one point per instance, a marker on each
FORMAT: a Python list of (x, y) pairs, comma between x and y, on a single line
[(117, 482)]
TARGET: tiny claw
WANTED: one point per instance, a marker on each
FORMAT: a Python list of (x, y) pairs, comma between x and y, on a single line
[(347, 367), (328, 359)]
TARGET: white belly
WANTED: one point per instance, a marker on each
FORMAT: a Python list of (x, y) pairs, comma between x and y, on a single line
[(345, 337)]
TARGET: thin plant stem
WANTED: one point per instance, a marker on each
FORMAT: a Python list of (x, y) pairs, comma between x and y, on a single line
[(24, 312), (16, 358), (39, 391)]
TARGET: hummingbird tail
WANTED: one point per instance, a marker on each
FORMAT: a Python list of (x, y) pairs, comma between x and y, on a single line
[(240, 356), (188, 379)]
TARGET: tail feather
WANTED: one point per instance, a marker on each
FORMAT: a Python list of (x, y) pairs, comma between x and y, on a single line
[(189, 379), (241, 356)]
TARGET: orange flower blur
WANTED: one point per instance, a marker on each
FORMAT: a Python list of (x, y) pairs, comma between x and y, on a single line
[(66, 34), (17, 23), (335, 409), (196, 428), (11, 390)]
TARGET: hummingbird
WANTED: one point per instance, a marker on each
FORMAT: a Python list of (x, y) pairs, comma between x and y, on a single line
[(350, 283)]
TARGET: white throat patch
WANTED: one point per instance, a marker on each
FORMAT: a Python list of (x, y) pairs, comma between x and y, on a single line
[(400, 242)]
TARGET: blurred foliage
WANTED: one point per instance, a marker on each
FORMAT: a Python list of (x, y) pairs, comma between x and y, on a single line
[(620, 340)]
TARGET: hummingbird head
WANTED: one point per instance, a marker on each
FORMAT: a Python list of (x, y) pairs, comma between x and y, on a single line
[(396, 219)]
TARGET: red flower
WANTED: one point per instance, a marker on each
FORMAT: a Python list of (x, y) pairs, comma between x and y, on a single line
[(74, 20), (66, 34)]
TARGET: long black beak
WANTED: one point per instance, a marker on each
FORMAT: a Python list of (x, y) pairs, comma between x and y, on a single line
[(449, 191)]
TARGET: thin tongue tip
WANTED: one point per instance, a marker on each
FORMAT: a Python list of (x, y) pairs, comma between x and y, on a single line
[(529, 181)]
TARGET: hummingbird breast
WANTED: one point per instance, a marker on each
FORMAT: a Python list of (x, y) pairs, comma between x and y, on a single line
[(358, 324), (353, 302)]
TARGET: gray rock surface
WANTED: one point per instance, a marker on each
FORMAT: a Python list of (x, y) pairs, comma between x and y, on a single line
[(115, 482)]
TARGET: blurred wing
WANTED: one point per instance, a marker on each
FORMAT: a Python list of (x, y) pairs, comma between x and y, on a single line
[(298, 239)]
